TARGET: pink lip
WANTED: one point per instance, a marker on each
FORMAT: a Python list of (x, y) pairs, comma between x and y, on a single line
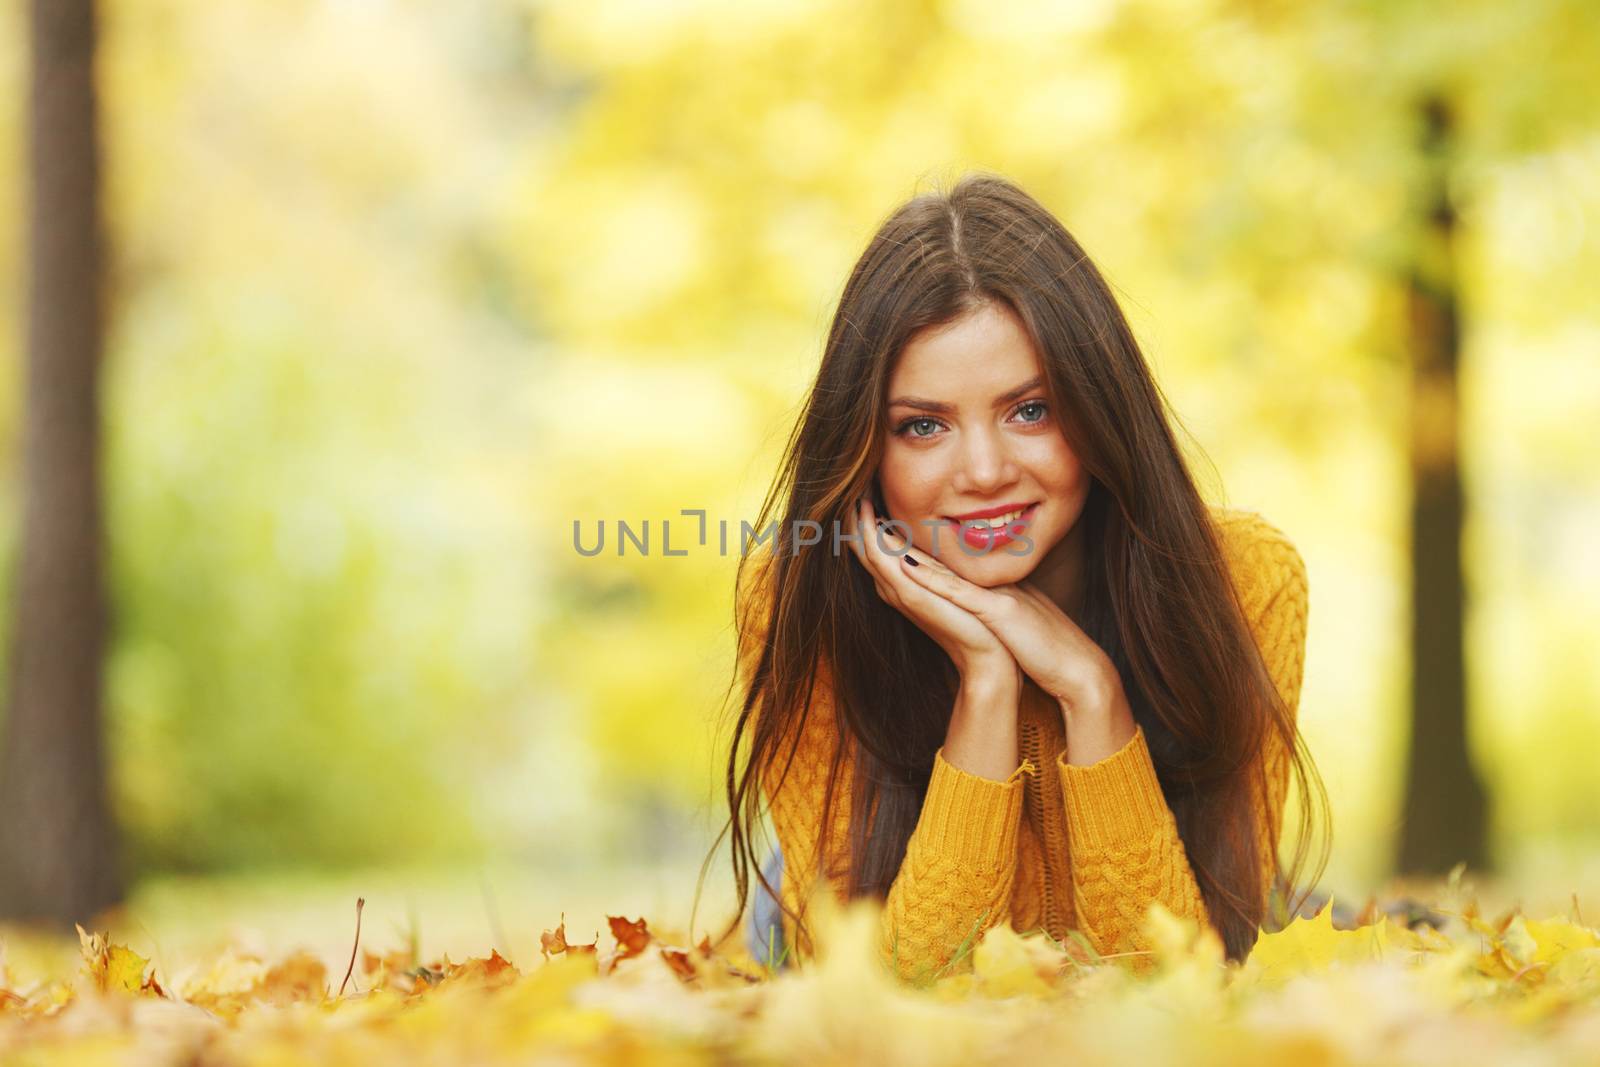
[(986, 539), (989, 513)]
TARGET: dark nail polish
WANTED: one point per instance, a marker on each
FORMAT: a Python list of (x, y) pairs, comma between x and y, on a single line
[(912, 560)]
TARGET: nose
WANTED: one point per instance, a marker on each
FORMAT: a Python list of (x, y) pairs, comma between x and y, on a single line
[(986, 464)]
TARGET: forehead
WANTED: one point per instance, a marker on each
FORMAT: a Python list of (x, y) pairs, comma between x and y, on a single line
[(981, 354)]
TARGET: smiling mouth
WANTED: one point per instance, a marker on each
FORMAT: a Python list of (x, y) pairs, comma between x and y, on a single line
[(997, 522)]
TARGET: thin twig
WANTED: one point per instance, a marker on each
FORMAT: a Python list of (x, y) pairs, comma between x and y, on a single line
[(1131, 952), (360, 903)]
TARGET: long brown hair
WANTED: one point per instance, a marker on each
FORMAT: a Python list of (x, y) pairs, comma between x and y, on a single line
[(1159, 599)]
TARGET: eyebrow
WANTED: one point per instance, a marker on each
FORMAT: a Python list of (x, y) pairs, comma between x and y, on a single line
[(942, 408)]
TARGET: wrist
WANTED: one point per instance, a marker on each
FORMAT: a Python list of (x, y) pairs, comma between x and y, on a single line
[(992, 679), (1094, 699), (1098, 725)]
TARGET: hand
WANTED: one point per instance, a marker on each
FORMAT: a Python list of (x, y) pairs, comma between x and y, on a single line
[(970, 644), (1048, 646)]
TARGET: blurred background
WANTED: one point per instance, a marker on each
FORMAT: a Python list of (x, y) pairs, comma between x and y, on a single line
[(395, 292)]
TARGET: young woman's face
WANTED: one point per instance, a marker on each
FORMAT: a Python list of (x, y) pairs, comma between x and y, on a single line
[(970, 431)]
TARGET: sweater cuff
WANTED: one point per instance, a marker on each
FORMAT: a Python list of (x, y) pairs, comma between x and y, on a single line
[(1117, 799), (972, 820)]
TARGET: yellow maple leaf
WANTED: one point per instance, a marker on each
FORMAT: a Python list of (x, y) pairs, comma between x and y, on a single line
[(1178, 939), (1313, 944), (1006, 964), (848, 1007), (114, 967), (1554, 938), (1526, 950)]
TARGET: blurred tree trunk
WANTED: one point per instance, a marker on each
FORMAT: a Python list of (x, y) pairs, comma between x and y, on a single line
[(1445, 807), (56, 832)]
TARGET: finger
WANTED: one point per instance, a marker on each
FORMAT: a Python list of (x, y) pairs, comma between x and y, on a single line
[(926, 559), (870, 531), (885, 536), (852, 526), (987, 604), (1032, 591), (880, 567), (885, 548), (861, 523), (890, 549), (867, 546)]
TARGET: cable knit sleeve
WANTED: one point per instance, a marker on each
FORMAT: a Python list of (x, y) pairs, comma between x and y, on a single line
[(956, 877), (1126, 851), (955, 881)]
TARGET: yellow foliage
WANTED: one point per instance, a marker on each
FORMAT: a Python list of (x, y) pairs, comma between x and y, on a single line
[(1315, 944), (1006, 964), (1473, 989)]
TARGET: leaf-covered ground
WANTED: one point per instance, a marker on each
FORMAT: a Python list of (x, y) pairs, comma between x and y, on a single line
[(1508, 988)]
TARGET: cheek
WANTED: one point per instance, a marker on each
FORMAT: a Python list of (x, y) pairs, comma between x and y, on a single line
[(1058, 468), (910, 480)]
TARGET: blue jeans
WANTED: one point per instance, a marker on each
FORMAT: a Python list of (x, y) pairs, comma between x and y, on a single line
[(766, 918)]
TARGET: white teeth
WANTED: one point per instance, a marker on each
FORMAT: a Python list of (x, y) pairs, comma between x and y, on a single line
[(998, 522)]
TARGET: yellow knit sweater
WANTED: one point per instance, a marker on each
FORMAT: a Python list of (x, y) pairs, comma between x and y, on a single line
[(1053, 846)]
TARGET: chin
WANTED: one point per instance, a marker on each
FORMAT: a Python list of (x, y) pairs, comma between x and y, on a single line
[(1000, 569)]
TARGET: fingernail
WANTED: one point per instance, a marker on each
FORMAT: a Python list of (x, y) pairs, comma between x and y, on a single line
[(912, 560)]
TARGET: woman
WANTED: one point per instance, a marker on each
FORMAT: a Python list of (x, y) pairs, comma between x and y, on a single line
[(1025, 674)]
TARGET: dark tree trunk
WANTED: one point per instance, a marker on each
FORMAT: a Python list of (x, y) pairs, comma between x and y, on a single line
[(57, 846), (1445, 806)]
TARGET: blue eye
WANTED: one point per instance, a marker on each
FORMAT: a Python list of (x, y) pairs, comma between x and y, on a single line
[(908, 428), (909, 423)]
